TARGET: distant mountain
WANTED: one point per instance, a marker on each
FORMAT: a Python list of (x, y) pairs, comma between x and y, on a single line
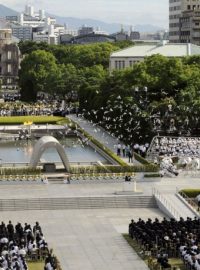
[(5, 11), (76, 23), (142, 28)]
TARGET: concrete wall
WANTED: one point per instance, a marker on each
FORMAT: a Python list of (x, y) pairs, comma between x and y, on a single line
[(123, 62), (163, 208)]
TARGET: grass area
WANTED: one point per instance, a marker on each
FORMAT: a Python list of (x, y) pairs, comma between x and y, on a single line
[(36, 265), (191, 193), (175, 262), (17, 120)]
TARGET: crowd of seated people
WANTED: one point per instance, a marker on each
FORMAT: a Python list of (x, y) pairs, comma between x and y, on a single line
[(175, 146), (169, 238), (19, 243)]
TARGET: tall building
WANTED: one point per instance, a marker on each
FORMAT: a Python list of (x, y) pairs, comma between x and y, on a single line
[(85, 30), (190, 27), (9, 57), (21, 32), (176, 9)]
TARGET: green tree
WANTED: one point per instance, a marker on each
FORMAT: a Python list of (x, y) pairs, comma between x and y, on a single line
[(29, 46), (38, 73), (68, 79)]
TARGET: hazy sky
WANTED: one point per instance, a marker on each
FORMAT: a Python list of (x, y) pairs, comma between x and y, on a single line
[(121, 11)]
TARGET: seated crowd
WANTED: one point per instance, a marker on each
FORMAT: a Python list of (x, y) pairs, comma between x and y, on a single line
[(169, 238), (18, 243), (175, 146)]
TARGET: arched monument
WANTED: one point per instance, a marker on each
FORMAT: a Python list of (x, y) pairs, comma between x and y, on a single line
[(44, 143)]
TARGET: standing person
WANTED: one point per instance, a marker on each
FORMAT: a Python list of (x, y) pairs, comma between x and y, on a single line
[(130, 155), (140, 152), (143, 151), (136, 147), (124, 150), (119, 149), (10, 229), (77, 111), (127, 150)]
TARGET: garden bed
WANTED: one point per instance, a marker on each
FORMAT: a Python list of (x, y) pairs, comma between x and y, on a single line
[(20, 120), (190, 193)]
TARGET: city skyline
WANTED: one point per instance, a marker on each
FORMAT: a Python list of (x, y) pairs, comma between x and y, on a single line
[(131, 12)]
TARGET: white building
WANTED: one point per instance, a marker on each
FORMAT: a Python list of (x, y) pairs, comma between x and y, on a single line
[(59, 30), (44, 37), (126, 58), (176, 7), (36, 26), (21, 32), (72, 32)]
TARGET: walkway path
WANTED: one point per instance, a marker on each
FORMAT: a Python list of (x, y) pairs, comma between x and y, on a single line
[(99, 134)]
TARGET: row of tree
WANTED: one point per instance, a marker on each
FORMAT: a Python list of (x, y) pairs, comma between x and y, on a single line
[(62, 69), (158, 95)]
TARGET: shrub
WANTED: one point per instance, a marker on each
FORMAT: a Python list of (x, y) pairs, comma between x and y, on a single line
[(102, 147), (20, 171), (18, 120), (141, 159), (191, 193), (123, 166), (112, 169), (152, 175)]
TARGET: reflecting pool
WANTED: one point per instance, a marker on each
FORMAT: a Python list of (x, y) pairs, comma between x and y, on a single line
[(20, 151)]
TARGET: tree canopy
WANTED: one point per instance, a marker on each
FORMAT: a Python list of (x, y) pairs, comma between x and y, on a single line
[(134, 104)]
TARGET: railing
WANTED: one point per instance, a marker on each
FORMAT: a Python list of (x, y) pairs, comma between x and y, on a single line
[(167, 204), (27, 164)]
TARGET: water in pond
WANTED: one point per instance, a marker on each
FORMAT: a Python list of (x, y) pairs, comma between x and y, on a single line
[(20, 151)]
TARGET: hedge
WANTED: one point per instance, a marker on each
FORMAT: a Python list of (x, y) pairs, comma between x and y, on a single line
[(104, 148), (98, 144), (112, 169), (20, 171), (191, 193), (152, 175), (18, 120), (149, 167), (141, 159)]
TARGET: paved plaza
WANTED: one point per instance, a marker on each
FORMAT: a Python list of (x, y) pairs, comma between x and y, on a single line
[(82, 239), (88, 238), (92, 239)]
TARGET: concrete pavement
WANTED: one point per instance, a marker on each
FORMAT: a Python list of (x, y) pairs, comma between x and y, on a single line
[(89, 239)]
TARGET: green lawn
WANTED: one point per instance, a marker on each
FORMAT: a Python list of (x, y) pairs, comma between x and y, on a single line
[(36, 265), (17, 120), (175, 262)]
